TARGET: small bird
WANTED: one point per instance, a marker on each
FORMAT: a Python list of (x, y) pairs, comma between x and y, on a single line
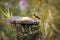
[(36, 16)]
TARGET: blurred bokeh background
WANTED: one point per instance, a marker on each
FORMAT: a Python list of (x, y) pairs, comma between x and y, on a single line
[(47, 10)]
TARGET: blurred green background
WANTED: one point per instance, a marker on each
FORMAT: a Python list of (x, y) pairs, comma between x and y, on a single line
[(47, 10)]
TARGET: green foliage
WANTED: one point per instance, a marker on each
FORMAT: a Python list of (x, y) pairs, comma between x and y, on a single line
[(6, 14), (9, 33)]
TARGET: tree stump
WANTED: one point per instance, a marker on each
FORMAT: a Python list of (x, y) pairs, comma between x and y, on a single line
[(26, 30)]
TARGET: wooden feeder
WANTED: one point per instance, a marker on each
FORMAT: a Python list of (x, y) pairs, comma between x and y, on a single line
[(26, 28)]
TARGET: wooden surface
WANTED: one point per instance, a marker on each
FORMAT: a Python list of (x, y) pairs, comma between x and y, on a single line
[(16, 19)]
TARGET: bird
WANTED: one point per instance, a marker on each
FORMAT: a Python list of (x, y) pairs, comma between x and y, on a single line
[(36, 16)]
